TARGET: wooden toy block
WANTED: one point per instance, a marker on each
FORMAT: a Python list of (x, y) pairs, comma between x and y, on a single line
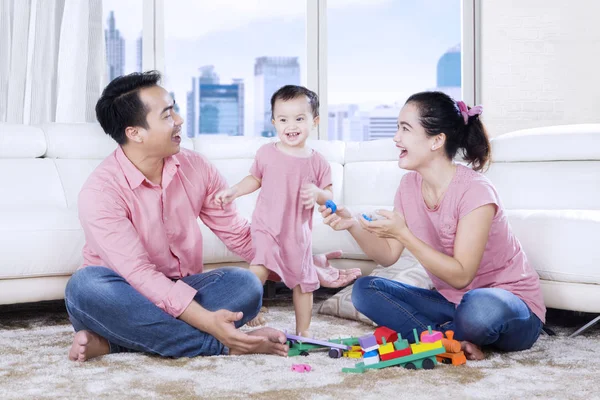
[(421, 347), (368, 342), (451, 345), (373, 353), (353, 354), (452, 358), (400, 344), (430, 336), (385, 332), (386, 348), (371, 360), (395, 354)]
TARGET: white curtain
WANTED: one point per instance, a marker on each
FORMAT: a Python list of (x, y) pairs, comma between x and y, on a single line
[(51, 60)]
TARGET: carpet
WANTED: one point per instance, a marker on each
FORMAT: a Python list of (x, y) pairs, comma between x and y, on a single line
[(34, 365)]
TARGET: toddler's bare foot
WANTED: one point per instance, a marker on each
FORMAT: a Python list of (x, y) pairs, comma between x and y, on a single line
[(305, 333), (87, 345), (472, 351), (260, 319)]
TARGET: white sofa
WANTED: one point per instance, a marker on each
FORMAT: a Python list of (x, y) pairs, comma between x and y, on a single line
[(548, 179)]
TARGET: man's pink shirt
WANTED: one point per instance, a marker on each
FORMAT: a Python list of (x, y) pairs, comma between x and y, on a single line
[(148, 233)]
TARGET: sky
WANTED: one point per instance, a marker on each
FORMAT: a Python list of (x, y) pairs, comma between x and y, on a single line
[(378, 51)]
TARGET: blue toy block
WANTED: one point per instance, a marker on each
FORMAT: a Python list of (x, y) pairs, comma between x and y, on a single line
[(331, 205), (365, 216), (373, 353)]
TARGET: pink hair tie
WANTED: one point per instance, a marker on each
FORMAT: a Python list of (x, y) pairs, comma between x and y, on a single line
[(466, 113)]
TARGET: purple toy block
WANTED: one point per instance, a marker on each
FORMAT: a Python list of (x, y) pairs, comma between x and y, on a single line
[(367, 341)]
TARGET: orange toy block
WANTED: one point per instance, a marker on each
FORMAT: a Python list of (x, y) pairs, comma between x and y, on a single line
[(384, 332), (430, 336), (451, 345), (396, 354), (452, 358)]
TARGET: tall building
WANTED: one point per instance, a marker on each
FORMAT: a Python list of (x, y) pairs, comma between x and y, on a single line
[(383, 122), (115, 49), (449, 73), (347, 123), (139, 53), (271, 73), (214, 108)]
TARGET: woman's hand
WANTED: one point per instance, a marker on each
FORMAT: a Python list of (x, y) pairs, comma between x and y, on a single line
[(392, 226), (340, 221)]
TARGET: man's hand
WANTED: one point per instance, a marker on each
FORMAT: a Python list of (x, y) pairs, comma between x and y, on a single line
[(225, 197), (223, 329)]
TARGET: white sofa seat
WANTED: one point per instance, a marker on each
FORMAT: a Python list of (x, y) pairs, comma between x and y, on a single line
[(548, 180)]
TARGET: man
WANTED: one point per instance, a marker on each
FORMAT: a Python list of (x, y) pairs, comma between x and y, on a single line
[(141, 287)]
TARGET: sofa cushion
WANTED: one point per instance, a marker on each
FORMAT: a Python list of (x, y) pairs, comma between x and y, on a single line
[(31, 182), (21, 141), (562, 245), (549, 143), (36, 242), (547, 185)]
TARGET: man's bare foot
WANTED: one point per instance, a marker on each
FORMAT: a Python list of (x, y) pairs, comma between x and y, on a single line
[(472, 351), (260, 319), (87, 345), (275, 343)]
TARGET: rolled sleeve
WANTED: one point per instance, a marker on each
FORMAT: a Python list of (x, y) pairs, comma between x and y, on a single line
[(229, 226), (112, 236)]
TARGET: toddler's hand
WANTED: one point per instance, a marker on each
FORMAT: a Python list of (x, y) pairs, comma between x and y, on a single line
[(225, 197), (309, 194)]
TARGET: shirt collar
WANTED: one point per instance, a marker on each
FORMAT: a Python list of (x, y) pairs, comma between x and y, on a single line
[(135, 177)]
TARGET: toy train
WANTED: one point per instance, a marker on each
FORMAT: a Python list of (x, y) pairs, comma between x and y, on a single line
[(386, 348)]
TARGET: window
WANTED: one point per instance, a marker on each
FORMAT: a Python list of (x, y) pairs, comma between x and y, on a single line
[(381, 52), (122, 23), (224, 59)]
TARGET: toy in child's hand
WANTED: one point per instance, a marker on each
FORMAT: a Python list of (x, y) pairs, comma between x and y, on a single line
[(331, 205), (365, 216)]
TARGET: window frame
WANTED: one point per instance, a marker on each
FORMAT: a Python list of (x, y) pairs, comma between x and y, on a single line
[(153, 56)]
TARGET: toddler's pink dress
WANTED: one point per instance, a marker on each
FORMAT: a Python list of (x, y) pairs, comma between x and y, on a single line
[(281, 226)]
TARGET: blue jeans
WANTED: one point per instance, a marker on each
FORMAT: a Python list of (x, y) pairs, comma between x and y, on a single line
[(100, 300), (485, 317)]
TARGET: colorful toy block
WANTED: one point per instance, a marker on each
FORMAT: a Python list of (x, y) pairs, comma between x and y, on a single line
[(425, 360), (385, 332), (401, 344), (301, 367), (396, 354), (431, 336), (385, 347), (421, 347), (368, 343)]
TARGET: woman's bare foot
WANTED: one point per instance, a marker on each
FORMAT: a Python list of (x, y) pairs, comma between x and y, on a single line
[(274, 345), (472, 351), (260, 319), (87, 345)]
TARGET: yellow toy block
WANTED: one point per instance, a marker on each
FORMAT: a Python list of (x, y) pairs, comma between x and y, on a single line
[(421, 347), (353, 354), (386, 348)]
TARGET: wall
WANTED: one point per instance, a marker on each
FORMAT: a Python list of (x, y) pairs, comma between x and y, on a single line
[(540, 63)]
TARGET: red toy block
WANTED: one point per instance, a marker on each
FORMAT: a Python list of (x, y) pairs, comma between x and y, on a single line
[(395, 354), (389, 335)]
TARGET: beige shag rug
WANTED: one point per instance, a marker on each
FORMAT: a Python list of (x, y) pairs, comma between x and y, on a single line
[(34, 365)]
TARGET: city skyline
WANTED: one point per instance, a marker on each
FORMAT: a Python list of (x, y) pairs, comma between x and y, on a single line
[(400, 45)]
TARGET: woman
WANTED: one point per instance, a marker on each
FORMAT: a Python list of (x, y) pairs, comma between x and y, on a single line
[(451, 219)]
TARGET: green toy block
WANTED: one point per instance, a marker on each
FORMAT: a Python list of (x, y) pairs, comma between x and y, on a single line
[(400, 344)]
